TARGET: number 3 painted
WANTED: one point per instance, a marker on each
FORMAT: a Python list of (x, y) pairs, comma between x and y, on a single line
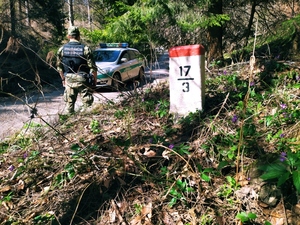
[(186, 87)]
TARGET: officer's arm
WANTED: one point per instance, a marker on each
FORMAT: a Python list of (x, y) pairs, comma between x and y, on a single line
[(91, 64), (59, 65)]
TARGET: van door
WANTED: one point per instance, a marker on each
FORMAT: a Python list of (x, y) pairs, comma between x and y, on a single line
[(124, 66), (134, 64)]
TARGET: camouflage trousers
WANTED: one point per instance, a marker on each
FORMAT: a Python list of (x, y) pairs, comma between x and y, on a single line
[(77, 85)]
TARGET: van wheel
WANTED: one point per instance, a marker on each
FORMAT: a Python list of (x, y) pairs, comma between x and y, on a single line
[(141, 75), (116, 82)]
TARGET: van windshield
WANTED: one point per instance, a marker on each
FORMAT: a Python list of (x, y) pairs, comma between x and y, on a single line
[(106, 55)]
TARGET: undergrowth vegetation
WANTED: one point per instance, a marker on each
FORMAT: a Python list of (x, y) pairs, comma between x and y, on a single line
[(132, 162)]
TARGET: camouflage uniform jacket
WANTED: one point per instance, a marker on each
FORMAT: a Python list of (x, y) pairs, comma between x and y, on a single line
[(88, 55)]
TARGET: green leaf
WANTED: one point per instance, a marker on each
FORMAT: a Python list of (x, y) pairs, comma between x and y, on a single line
[(231, 180), (269, 120), (39, 217), (184, 152), (69, 168), (174, 192), (172, 202), (241, 104), (297, 164), (75, 147), (296, 180), (71, 173), (189, 189), (180, 184), (208, 170), (182, 149), (59, 178), (252, 216), (297, 86), (292, 158), (282, 179), (273, 171), (34, 154), (222, 164), (205, 177), (230, 155), (199, 167), (164, 170), (242, 216)]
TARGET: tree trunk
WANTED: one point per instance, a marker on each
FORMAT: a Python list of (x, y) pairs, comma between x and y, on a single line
[(250, 23), (20, 10), (12, 17), (215, 33), (27, 12), (24, 11), (89, 15), (71, 13)]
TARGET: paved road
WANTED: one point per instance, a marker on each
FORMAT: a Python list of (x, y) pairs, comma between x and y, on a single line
[(15, 113)]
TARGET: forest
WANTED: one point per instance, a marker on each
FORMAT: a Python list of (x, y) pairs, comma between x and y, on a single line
[(222, 26), (132, 162)]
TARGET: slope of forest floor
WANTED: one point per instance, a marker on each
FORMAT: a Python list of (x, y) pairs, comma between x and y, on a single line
[(132, 163)]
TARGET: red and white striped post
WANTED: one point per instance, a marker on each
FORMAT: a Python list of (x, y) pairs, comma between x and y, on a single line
[(187, 79)]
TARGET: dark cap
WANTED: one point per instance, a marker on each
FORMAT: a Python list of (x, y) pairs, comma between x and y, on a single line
[(73, 31)]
